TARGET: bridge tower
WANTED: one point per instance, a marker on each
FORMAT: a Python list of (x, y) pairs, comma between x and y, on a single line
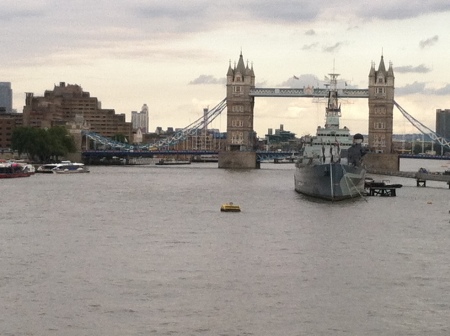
[(241, 138), (240, 135), (381, 107)]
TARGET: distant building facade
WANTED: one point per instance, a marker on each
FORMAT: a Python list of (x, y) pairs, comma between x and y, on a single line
[(6, 96), (8, 122), (443, 123), (65, 103), (137, 136), (280, 135), (139, 120), (381, 107)]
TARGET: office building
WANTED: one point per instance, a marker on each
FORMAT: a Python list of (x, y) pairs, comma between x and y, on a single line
[(443, 123), (139, 120), (6, 96)]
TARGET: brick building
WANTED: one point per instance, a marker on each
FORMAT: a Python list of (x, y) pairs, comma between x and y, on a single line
[(64, 103), (8, 122)]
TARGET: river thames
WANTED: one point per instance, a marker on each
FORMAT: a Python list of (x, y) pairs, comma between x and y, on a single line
[(144, 250)]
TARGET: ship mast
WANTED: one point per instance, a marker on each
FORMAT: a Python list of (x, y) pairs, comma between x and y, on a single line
[(333, 110)]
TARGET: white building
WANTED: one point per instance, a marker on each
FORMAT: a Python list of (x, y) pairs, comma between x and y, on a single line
[(139, 120)]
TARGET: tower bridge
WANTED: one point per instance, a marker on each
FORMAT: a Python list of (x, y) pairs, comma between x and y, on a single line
[(240, 150), (241, 94)]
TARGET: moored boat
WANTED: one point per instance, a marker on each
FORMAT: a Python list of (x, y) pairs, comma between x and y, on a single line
[(13, 170), (164, 162), (330, 166), (65, 167), (230, 207)]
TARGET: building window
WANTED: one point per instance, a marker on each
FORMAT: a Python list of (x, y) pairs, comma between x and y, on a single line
[(237, 89), (237, 138), (380, 80), (380, 90), (379, 125), (379, 141)]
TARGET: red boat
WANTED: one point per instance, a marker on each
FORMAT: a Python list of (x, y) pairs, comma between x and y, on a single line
[(11, 170)]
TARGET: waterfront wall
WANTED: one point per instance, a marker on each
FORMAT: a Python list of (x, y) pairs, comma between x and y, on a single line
[(380, 162), (238, 160)]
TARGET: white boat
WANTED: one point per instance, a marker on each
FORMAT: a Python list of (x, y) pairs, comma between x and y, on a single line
[(330, 165), (65, 167)]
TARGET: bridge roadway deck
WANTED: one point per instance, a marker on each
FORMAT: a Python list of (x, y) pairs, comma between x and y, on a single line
[(308, 92), (137, 153)]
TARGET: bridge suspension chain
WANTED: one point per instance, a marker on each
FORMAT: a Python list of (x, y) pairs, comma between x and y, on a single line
[(180, 135), (104, 140), (422, 128), (193, 127)]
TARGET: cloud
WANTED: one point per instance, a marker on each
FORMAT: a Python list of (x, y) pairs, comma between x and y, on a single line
[(123, 27), (301, 81), (19, 15), (13, 10), (352, 28), (429, 42), (420, 88), (408, 89), (442, 91), (310, 46), (207, 79), (410, 69), (198, 12), (168, 17), (400, 9), (261, 84), (288, 11), (332, 48)]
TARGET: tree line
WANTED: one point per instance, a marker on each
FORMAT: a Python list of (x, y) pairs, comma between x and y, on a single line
[(43, 145)]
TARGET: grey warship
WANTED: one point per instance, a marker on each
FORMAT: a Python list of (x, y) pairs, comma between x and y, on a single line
[(330, 166)]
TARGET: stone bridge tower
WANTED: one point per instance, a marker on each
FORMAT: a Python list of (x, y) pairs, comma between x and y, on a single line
[(241, 138), (381, 106), (240, 135)]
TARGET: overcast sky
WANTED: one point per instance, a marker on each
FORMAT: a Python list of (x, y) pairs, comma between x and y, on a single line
[(174, 55)]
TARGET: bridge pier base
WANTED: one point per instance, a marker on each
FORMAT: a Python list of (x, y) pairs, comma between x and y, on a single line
[(238, 160), (74, 157)]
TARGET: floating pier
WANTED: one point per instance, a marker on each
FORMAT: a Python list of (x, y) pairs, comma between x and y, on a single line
[(422, 178), (381, 188)]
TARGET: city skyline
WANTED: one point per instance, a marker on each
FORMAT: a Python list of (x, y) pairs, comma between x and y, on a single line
[(174, 56)]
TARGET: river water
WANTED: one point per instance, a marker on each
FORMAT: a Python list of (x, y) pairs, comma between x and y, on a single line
[(144, 250)]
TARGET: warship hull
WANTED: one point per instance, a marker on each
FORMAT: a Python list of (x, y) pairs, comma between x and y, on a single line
[(330, 181)]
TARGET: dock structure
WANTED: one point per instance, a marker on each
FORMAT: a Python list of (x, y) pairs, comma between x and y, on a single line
[(387, 191), (422, 178), (381, 188)]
